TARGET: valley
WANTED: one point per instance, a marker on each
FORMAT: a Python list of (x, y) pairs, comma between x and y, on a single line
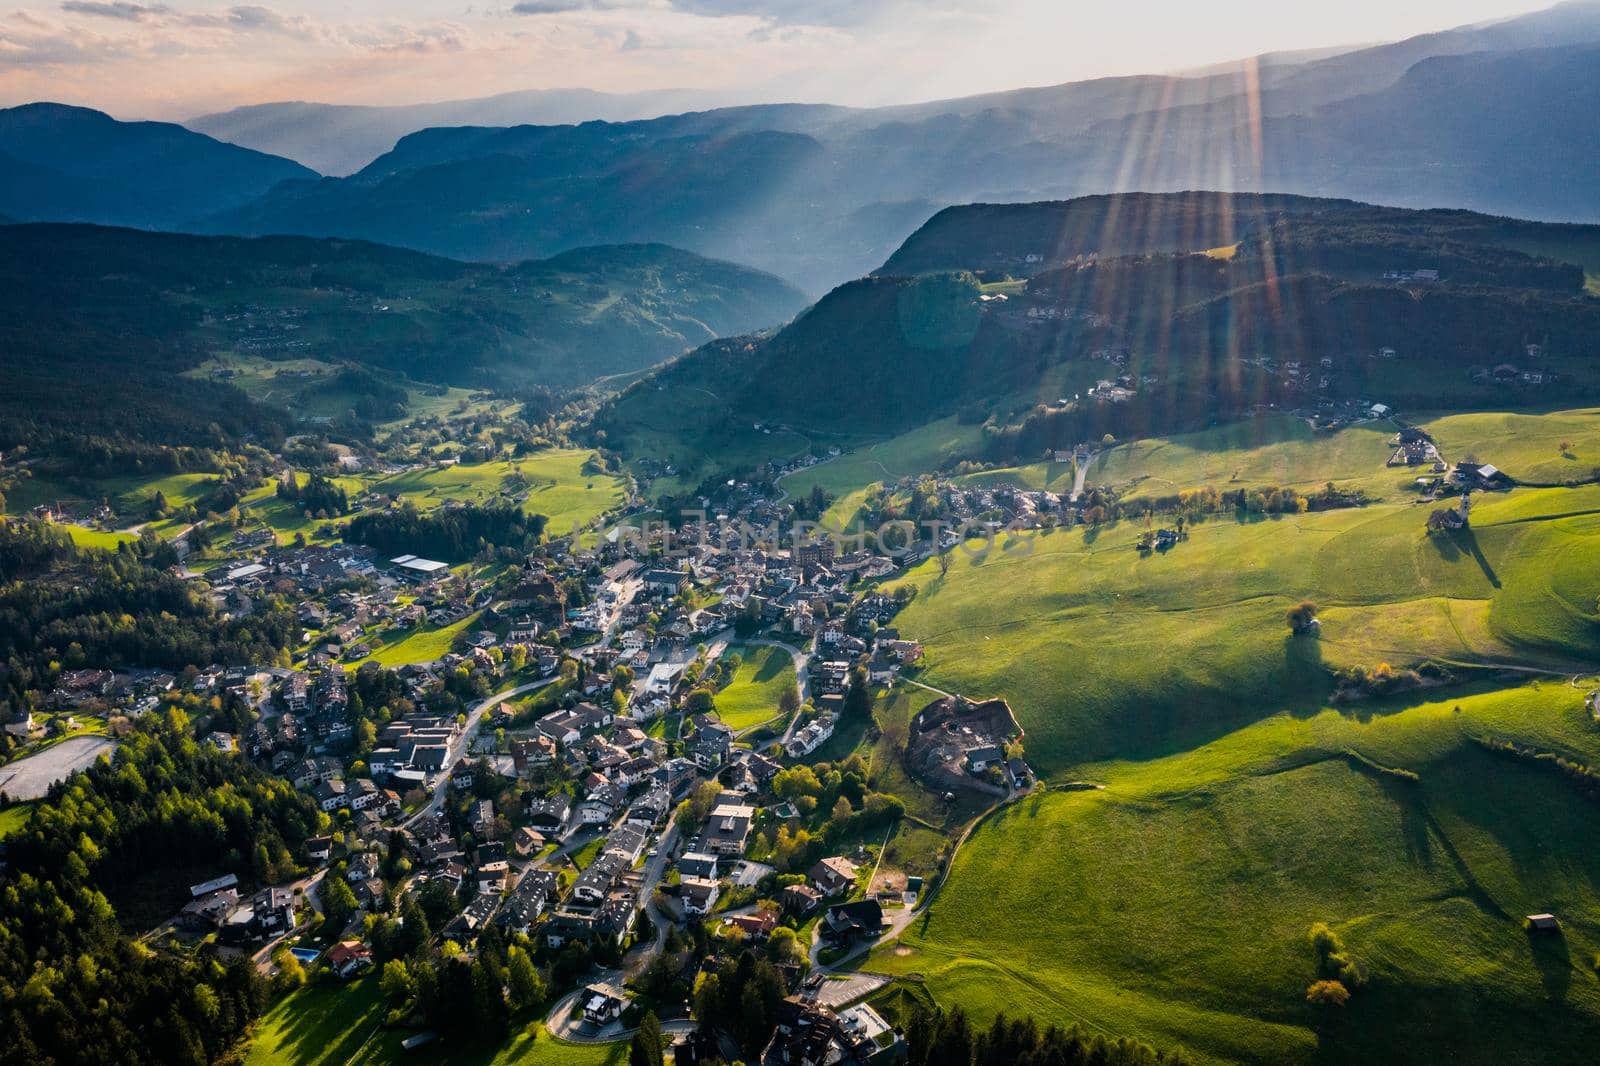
[(1101, 574)]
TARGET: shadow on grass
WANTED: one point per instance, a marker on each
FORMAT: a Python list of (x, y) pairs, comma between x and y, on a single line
[(1554, 962), (1460, 542)]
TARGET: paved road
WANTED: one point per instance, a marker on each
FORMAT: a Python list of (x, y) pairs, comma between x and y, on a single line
[(463, 743), (654, 869), (1084, 461)]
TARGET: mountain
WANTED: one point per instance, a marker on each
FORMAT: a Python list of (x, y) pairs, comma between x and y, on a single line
[(340, 139), (537, 190), (103, 332), (60, 163), (1203, 321), (820, 194)]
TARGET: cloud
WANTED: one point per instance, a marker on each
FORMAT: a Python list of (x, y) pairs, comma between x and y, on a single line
[(567, 7), (116, 9), (802, 12)]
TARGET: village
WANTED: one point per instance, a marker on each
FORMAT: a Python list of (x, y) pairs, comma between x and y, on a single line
[(559, 772)]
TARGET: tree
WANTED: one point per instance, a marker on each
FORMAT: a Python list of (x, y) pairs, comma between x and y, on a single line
[(1301, 615), (396, 981), (291, 973), (1327, 994), (646, 1047), (338, 904), (858, 698), (527, 987), (789, 700)]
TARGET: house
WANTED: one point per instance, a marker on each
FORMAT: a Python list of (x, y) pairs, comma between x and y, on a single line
[(330, 795), (318, 849), (699, 894), (666, 582), (548, 814), (712, 742), (756, 926), (848, 921), (595, 882), (727, 829), (483, 819), (627, 842), (832, 876), (810, 1034), (535, 892), (603, 1003), (981, 758), (812, 737), (361, 867), (349, 958), (527, 841), (801, 899), (493, 877), (697, 864), (372, 894), (601, 804)]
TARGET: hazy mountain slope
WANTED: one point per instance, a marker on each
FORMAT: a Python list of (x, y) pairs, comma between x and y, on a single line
[(1202, 336), (61, 163), (98, 326), (340, 139), (1022, 240)]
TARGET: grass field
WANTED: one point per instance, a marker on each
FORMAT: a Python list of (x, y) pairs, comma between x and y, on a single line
[(100, 539), (1526, 447), (329, 1024), (561, 488), (752, 697), (848, 476), (13, 818), (1173, 904), (1102, 650), (320, 1025), (530, 1044), (423, 644), (1276, 450)]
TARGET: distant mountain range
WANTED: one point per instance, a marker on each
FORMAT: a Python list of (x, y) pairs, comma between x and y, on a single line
[(340, 139), (71, 164), (1496, 118)]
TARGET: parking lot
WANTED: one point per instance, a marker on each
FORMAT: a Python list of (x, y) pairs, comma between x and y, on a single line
[(31, 778)]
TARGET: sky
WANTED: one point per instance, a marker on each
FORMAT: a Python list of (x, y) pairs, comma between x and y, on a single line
[(174, 59)]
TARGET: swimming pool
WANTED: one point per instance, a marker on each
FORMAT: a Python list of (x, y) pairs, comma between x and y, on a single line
[(305, 954)]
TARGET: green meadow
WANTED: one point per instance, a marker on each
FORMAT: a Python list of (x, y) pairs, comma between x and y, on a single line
[(563, 484), (1103, 650), (1173, 902), (847, 477), (325, 1024), (1541, 449), (751, 698), (1276, 450), (424, 644)]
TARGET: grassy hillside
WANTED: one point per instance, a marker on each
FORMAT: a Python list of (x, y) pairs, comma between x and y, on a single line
[(847, 476), (1174, 904), (763, 676), (1054, 628), (565, 485)]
